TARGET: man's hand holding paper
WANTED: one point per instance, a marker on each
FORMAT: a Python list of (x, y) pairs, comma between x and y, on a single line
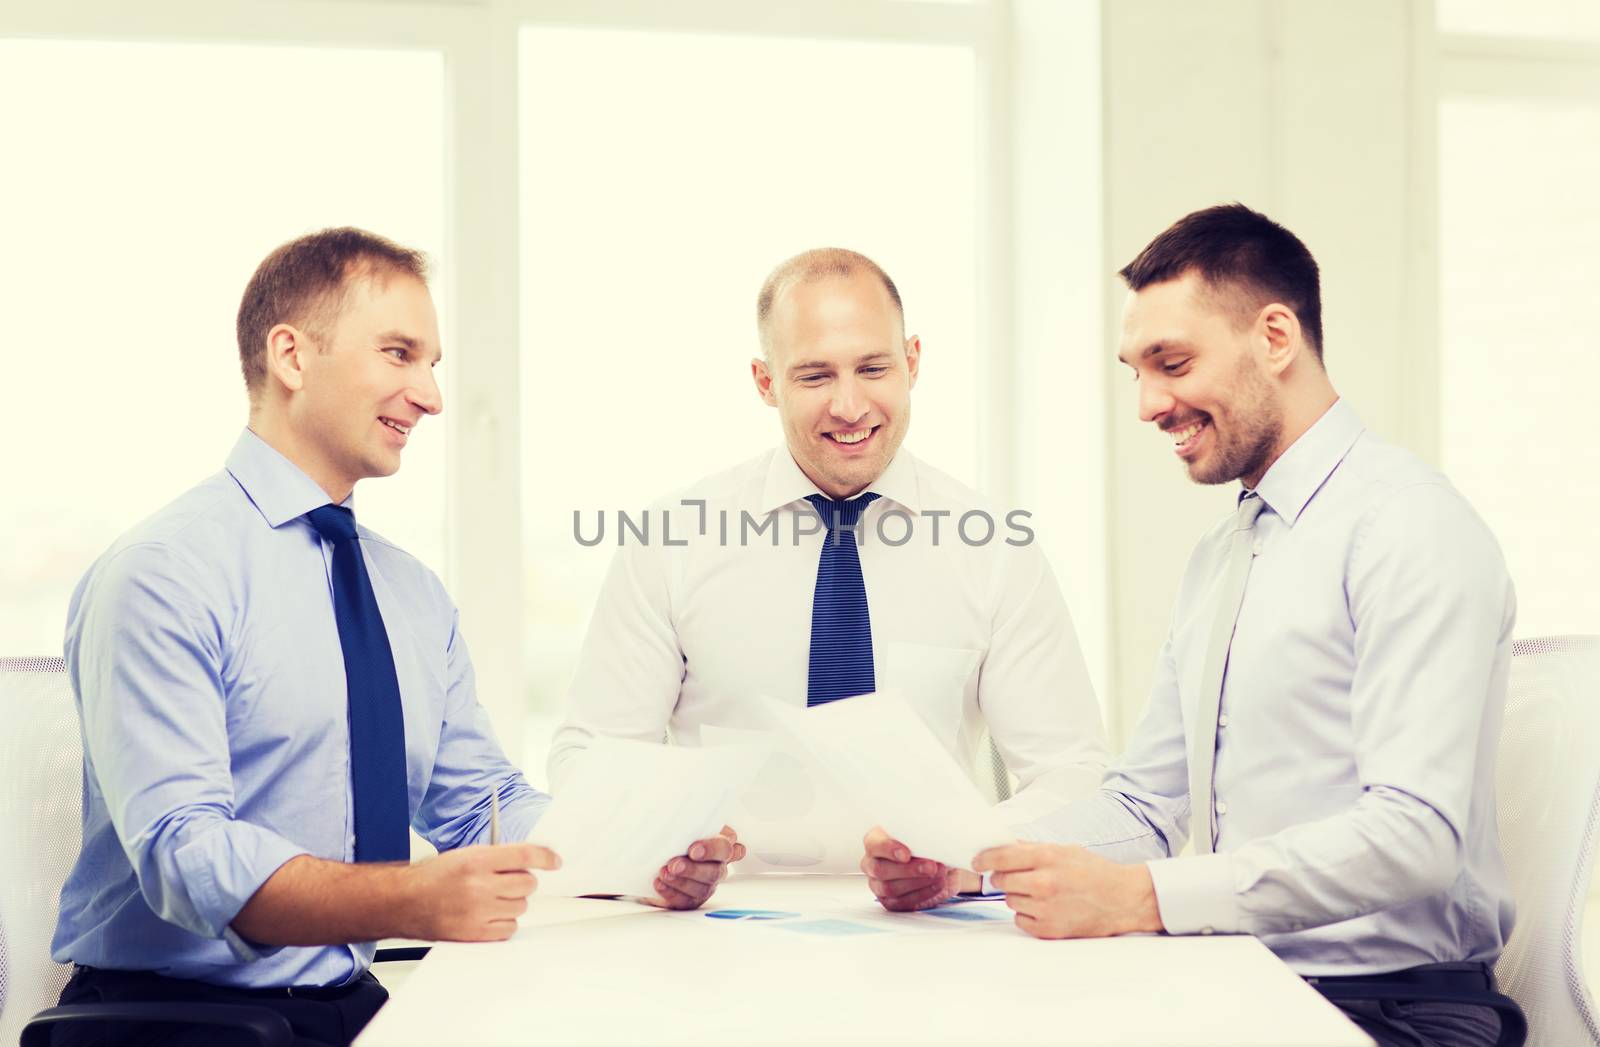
[(882, 756), (630, 804), (904, 882), (688, 880)]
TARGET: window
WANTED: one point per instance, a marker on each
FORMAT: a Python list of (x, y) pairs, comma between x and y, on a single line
[(144, 183), (1548, 19), (1518, 223), (664, 174)]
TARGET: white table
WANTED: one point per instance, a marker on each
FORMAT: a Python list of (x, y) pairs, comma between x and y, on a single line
[(593, 972)]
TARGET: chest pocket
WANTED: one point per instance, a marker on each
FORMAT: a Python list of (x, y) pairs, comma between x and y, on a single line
[(933, 679)]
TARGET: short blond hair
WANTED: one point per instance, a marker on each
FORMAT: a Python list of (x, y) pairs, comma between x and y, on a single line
[(810, 266)]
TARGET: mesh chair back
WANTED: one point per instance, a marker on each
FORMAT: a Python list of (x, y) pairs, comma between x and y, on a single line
[(1548, 806), (41, 775)]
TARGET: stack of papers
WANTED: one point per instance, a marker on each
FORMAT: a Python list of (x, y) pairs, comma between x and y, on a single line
[(630, 807), (791, 818), (801, 794), (880, 754)]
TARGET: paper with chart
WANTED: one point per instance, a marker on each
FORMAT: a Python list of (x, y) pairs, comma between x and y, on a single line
[(880, 754), (790, 818), (628, 807), (811, 908), (853, 922)]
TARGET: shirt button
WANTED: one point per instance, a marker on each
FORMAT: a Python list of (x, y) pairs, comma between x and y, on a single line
[(1256, 548), (1222, 808), (1222, 721), (1205, 930)]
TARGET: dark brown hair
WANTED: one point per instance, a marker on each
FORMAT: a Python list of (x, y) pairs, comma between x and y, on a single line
[(1238, 251), (304, 282)]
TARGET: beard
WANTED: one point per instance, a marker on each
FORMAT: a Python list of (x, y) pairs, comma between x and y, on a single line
[(1254, 426)]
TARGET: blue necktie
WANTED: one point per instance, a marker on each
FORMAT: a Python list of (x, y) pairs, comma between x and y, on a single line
[(377, 724), (841, 629)]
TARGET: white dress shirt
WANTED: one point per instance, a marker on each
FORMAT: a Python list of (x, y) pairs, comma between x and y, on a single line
[(1354, 780), (972, 635)]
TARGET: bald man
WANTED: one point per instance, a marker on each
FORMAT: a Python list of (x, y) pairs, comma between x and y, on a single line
[(837, 564)]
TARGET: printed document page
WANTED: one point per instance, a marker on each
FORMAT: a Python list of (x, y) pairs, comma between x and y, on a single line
[(877, 752), (628, 807), (791, 818)]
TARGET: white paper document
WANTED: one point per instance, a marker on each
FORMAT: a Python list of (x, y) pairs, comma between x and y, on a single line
[(852, 922), (628, 807), (880, 754), (791, 818)]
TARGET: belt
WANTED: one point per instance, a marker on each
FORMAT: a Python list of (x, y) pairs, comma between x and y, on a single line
[(274, 992), (1465, 983)]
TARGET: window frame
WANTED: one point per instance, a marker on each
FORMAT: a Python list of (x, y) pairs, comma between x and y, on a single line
[(1019, 94)]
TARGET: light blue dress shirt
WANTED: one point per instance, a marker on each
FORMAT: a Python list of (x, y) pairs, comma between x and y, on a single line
[(205, 659), (1354, 780)]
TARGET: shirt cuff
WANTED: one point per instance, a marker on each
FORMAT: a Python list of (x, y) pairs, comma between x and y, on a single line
[(518, 820), (1195, 894), (223, 868)]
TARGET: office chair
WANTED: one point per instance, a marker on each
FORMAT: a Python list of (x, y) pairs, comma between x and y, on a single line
[(1548, 804), (41, 810)]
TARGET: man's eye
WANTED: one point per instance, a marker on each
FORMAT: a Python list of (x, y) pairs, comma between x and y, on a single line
[(1174, 368), (397, 352), (812, 379), (873, 370)]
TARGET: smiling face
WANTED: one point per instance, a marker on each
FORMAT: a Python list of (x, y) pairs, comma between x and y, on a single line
[(1200, 380), (840, 372), (357, 391)]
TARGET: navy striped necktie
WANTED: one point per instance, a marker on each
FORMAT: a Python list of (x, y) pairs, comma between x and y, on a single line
[(841, 629), (377, 723)]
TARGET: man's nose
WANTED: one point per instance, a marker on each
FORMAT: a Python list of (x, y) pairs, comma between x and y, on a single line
[(425, 395), (1154, 400), (848, 404)]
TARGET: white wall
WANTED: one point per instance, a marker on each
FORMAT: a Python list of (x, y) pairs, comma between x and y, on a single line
[(1322, 116)]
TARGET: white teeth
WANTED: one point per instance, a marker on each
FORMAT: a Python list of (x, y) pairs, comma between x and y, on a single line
[(852, 438), (396, 426), (1184, 435)]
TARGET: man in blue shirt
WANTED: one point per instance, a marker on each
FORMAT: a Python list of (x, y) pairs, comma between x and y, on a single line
[(272, 694), (1327, 704)]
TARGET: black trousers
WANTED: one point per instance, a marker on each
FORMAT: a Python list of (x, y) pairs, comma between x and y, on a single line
[(328, 1017), (1436, 1005)]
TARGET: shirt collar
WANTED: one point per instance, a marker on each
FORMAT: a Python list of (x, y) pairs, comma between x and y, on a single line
[(278, 488), (786, 483), (1300, 472)]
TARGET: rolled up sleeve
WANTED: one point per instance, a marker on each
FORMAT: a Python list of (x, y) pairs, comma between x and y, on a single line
[(155, 735), (469, 766)]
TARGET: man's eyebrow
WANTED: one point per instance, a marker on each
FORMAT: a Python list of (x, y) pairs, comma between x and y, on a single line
[(823, 365), (1154, 349)]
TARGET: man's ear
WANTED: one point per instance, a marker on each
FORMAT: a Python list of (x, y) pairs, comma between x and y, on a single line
[(1279, 330), (287, 346), (763, 379), (913, 359)]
